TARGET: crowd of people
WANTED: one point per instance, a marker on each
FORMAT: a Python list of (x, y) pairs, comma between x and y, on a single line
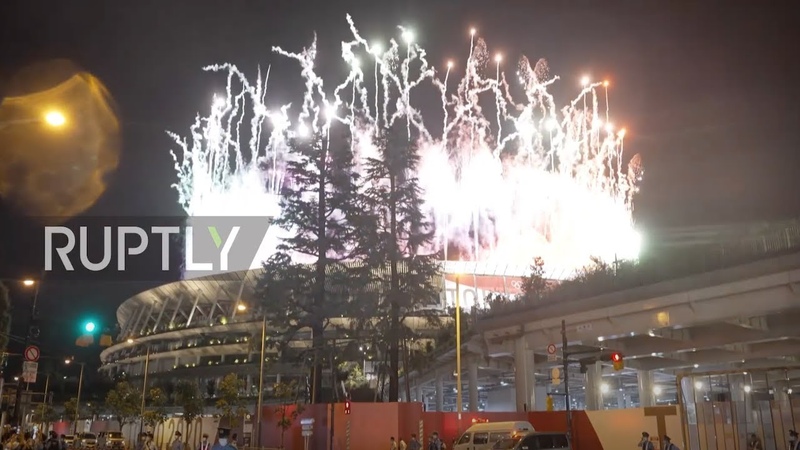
[(13, 440)]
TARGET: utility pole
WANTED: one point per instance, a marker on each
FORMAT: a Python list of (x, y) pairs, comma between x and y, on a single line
[(564, 357), (33, 333), (260, 402)]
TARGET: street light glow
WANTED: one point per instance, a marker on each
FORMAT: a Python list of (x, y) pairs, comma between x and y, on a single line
[(55, 119), (498, 57), (472, 32), (604, 388), (130, 340), (585, 81), (408, 36), (241, 307), (28, 282), (89, 327), (449, 64)]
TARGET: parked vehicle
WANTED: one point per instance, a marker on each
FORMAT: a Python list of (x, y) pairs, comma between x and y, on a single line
[(114, 441), (483, 436), (86, 441), (535, 441)]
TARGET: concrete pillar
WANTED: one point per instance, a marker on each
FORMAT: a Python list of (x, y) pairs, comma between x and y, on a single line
[(646, 386), (540, 398), (439, 392), (594, 379), (621, 401), (473, 384), (524, 375)]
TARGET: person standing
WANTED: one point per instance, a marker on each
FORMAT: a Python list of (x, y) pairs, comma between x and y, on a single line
[(177, 444), (204, 444), (645, 443), (436, 443), (413, 443), (223, 434)]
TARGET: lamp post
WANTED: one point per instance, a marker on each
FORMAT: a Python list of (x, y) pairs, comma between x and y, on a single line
[(78, 398), (28, 336), (259, 404), (459, 397), (144, 386)]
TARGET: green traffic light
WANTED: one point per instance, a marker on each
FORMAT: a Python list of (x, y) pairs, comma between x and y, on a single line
[(89, 327)]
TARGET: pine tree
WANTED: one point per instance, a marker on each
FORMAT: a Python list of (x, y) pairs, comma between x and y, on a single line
[(305, 282), (397, 235)]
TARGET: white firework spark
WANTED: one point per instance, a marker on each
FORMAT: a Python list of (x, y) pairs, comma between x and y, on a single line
[(537, 181)]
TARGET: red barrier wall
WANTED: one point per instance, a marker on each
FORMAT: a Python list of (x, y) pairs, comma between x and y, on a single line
[(371, 425)]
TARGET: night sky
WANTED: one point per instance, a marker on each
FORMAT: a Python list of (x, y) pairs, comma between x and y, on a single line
[(707, 90)]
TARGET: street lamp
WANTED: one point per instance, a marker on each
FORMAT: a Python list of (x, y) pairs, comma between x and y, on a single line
[(52, 118), (459, 397), (32, 332), (69, 361), (55, 118)]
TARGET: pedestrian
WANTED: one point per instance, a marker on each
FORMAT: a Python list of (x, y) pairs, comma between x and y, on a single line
[(52, 442), (148, 442), (222, 440), (436, 443), (668, 445), (645, 443), (401, 444), (413, 443), (204, 444), (794, 440), (234, 441), (754, 443), (177, 444)]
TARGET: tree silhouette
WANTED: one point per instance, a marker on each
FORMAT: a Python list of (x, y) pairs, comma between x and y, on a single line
[(396, 234), (306, 282)]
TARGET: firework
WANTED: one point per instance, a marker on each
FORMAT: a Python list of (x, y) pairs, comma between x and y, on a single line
[(506, 179)]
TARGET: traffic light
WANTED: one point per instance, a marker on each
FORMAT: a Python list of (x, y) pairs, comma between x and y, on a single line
[(347, 406), (616, 359)]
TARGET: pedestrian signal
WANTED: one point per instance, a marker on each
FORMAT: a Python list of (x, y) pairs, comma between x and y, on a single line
[(347, 406), (616, 360)]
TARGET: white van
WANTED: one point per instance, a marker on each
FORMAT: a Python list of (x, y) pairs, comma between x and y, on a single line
[(483, 436)]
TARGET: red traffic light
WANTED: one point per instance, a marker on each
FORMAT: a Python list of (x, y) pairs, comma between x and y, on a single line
[(616, 357), (347, 407)]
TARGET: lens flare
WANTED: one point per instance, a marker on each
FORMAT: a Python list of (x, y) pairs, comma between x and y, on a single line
[(60, 139), (505, 180)]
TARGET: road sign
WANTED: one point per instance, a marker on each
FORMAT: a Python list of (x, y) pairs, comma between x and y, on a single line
[(584, 328), (29, 370), (552, 358), (31, 353), (551, 349), (555, 373)]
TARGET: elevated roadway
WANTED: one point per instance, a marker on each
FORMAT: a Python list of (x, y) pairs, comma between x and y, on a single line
[(741, 318)]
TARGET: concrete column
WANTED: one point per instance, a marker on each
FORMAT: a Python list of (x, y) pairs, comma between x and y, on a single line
[(540, 398), (594, 379), (439, 392), (473, 384), (524, 375), (646, 386), (621, 401)]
